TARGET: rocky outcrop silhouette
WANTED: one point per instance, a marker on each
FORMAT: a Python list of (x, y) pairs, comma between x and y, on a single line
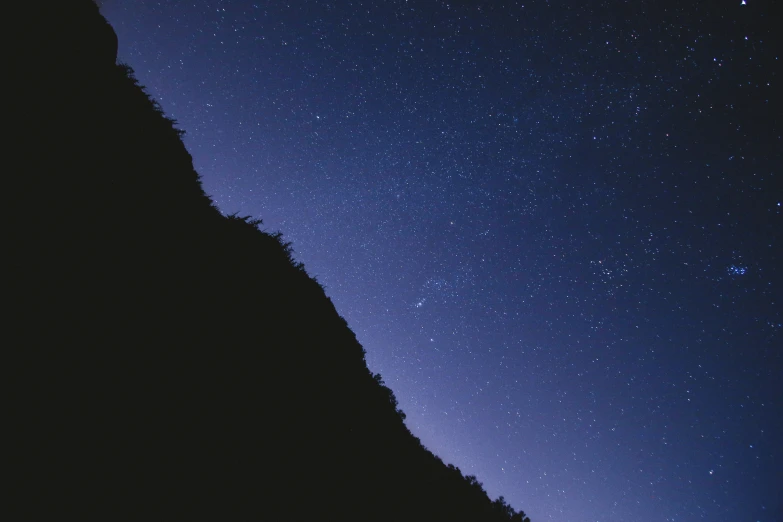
[(167, 362)]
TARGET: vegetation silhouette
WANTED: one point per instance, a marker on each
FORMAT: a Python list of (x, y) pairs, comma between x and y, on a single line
[(168, 362)]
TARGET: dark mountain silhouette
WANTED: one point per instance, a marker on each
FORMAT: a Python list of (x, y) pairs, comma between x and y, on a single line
[(166, 362)]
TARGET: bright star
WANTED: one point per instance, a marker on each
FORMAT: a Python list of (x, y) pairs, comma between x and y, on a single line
[(737, 270)]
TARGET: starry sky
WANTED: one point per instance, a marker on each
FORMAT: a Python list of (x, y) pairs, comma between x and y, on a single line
[(554, 226)]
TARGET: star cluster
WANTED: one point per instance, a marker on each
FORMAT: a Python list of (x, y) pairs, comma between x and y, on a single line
[(556, 229)]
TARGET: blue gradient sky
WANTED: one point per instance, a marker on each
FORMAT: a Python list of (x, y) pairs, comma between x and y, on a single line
[(554, 226)]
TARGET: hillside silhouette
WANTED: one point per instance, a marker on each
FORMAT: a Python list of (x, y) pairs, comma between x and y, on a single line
[(167, 362)]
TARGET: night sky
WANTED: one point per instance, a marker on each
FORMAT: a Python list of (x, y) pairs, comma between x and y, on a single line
[(554, 226)]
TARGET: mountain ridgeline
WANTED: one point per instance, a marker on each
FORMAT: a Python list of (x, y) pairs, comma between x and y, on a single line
[(167, 362)]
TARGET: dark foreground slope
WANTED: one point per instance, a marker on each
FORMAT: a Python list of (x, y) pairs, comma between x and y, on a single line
[(166, 362)]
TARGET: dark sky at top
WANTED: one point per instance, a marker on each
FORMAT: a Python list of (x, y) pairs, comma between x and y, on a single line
[(554, 226)]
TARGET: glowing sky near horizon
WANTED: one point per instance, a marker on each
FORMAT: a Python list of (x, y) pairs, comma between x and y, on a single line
[(555, 227)]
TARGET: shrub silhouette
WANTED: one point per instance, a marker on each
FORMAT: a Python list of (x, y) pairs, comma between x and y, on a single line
[(169, 362)]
